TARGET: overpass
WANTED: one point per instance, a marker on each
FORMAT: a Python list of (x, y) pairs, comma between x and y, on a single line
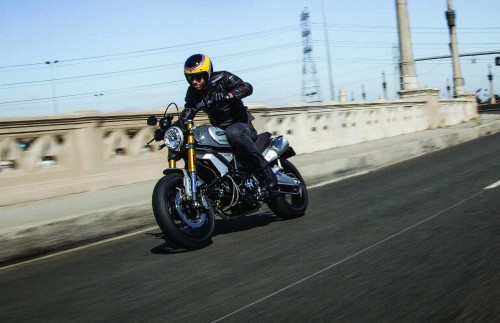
[(72, 179)]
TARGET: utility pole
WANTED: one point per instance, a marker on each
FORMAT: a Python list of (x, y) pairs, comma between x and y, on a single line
[(492, 88), (54, 98), (397, 67), (458, 81), (330, 76), (99, 96), (384, 86)]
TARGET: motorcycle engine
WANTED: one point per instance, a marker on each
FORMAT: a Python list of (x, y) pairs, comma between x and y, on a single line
[(239, 195)]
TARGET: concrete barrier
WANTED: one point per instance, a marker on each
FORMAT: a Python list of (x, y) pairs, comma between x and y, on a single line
[(46, 157)]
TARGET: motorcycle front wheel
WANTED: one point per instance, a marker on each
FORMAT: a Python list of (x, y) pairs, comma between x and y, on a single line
[(185, 225), (290, 205)]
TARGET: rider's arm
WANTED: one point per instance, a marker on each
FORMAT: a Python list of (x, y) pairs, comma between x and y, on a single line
[(189, 107), (235, 86)]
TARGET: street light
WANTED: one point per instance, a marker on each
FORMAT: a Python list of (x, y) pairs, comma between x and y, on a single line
[(54, 99), (99, 95)]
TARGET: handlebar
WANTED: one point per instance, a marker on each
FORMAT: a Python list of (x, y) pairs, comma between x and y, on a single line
[(207, 103)]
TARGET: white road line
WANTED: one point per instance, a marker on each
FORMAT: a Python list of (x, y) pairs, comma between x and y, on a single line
[(492, 185), (52, 255), (344, 260)]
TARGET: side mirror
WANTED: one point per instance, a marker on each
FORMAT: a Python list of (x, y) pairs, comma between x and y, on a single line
[(152, 121)]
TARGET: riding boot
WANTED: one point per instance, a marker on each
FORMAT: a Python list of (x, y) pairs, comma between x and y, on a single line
[(269, 178)]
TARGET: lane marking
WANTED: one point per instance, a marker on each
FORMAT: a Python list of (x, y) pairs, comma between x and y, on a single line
[(52, 255), (345, 259), (492, 185)]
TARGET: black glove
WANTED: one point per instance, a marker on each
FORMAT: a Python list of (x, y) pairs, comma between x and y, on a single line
[(159, 134), (219, 97)]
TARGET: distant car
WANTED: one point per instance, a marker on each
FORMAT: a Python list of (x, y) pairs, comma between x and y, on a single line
[(46, 161), (7, 164)]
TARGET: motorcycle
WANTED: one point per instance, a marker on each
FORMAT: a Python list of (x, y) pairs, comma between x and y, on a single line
[(213, 182)]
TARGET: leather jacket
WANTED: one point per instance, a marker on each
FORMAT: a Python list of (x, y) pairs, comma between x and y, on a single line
[(229, 112)]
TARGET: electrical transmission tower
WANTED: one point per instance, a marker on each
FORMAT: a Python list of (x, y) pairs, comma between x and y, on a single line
[(310, 85)]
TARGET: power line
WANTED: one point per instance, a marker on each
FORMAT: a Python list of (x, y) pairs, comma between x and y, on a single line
[(461, 55), (148, 68), (140, 87), (230, 39)]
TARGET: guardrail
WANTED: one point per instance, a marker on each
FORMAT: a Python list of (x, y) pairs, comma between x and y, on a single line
[(46, 157)]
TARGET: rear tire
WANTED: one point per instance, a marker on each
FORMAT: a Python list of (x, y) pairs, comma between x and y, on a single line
[(190, 229), (290, 205)]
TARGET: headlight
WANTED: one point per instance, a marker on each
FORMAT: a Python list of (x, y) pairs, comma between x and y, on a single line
[(174, 138)]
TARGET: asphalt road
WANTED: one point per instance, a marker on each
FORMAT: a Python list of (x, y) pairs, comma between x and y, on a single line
[(418, 241)]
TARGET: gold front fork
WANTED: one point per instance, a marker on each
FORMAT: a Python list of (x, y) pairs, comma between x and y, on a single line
[(191, 153), (192, 191)]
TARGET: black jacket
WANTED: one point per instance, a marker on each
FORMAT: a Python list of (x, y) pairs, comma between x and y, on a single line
[(227, 114)]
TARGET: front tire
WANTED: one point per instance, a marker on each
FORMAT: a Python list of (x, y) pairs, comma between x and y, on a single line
[(289, 206), (188, 227)]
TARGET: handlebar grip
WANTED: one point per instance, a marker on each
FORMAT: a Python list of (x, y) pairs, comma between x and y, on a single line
[(203, 104), (200, 105)]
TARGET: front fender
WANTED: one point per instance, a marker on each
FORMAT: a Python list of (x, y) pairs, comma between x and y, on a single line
[(175, 171)]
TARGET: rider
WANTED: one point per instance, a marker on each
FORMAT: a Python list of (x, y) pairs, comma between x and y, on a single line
[(227, 111)]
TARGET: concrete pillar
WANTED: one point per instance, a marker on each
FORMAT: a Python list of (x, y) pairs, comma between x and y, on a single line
[(431, 97), (409, 80), (458, 81), (87, 147), (342, 95)]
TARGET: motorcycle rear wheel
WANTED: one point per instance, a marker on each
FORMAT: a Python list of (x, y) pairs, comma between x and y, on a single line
[(289, 206), (190, 229)]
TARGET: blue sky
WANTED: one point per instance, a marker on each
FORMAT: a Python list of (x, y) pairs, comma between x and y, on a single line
[(128, 55)]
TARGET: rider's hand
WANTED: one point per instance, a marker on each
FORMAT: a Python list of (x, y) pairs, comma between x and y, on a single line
[(159, 134), (220, 97)]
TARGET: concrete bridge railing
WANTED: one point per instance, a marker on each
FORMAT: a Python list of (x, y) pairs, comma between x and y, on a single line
[(45, 157)]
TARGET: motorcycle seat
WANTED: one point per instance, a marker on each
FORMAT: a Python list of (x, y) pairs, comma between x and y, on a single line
[(262, 140)]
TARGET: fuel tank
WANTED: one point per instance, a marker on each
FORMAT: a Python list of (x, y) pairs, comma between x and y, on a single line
[(210, 136)]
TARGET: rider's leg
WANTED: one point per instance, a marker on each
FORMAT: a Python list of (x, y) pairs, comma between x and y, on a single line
[(241, 137)]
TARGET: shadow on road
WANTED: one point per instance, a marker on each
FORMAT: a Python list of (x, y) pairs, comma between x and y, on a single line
[(222, 226), (244, 223)]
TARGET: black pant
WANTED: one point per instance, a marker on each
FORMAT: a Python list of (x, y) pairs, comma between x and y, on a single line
[(241, 137)]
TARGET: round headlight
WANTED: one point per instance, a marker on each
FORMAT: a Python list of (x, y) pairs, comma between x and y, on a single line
[(174, 138)]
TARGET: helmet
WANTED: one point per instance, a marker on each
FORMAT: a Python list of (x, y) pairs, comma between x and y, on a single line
[(196, 64)]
